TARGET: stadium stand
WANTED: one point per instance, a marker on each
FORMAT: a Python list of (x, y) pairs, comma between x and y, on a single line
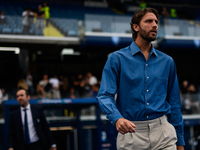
[(108, 20), (69, 27), (65, 17)]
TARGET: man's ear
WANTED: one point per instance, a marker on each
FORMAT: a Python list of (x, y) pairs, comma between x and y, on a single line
[(135, 27)]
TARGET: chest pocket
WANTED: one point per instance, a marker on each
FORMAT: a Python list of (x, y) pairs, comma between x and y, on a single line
[(161, 89)]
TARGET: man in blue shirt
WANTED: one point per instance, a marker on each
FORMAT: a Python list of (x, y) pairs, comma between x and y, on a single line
[(147, 110)]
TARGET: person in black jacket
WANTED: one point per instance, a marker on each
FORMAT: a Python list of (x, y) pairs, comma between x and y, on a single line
[(28, 128)]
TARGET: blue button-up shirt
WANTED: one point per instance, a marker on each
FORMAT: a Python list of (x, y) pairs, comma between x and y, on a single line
[(145, 89)]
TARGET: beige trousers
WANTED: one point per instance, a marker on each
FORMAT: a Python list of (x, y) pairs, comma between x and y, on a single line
[(156, 134)]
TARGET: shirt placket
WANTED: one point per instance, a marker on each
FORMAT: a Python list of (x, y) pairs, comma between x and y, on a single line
[(146, 88)]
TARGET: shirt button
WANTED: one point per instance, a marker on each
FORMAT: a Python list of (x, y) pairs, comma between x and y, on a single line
[(147, 77), (147, 116), (146, 64), (111, 122), (147, 90), (147, 103)]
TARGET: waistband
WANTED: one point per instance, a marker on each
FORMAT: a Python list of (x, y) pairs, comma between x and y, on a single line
[(157, 121)]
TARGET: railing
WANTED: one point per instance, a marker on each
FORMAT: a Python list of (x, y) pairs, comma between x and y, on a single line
[(60, 27)]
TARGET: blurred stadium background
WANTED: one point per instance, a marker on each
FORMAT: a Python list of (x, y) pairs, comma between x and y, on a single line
[(75, 46)]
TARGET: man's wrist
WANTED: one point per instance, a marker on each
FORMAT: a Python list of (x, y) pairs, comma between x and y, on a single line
[(180, 147)]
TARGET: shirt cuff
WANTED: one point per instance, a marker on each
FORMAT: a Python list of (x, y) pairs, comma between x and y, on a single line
[(180, 141), (54, 145), (114, 117)]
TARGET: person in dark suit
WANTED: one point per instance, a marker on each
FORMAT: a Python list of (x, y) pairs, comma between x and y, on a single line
[(28, 128)]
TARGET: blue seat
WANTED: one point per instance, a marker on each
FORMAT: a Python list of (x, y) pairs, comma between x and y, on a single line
[(72, 33), (18, 30), (6, 30)]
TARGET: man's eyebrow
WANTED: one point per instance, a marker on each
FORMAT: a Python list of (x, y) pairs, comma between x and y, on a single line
[(149, 19)]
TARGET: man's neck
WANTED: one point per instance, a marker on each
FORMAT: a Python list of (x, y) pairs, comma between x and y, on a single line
[(145, 47), (25, 106)]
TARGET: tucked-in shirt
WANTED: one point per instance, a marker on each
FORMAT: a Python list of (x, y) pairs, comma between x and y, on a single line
[(145, 89), (32, 132)]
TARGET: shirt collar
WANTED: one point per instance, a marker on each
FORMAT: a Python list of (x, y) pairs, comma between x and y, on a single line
[(27, 107), (135, 49)]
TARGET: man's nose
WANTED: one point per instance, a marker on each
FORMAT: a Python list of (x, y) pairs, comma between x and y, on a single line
[(155, 25)]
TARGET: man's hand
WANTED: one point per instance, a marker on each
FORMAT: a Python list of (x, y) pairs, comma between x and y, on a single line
[(180, 147), (10, 149), (53, 148), (124, 126)]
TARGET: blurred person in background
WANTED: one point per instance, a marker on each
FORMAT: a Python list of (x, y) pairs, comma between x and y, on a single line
[(184, 87), (173, 13), (187, 90), (165, 13), (39, 92), (22, 84), (3, 98), (3, 95), (3, 19), (55, 86), (79, 85), (72, 93), (64, 85), (92, 79), (28, 127), (194, 99), (87, 85), (164, 16), (81, 30), (39, 26), (192, 89), (77, 82), (46, 10), (94, 90), (46, 86), (82, 91), (142, 4), (27, 20), (29, 83)]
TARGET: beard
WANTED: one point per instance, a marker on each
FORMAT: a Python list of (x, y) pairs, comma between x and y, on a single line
[(22, 103), (146, 35)]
